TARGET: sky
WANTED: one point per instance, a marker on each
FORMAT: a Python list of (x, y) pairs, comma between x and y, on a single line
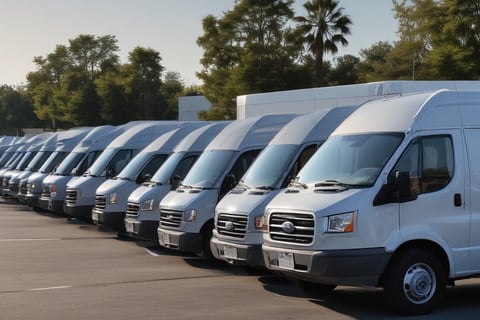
[(30, 28)]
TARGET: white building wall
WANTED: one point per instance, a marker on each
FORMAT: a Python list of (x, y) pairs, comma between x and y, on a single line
[(189, 107)]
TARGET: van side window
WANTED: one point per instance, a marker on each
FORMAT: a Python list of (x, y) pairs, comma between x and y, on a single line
[(429, 160)]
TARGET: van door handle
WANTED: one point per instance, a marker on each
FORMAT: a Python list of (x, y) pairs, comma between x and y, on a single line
[(457, 200)]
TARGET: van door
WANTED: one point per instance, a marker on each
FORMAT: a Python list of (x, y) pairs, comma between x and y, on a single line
[(472, 138), (438, 213)]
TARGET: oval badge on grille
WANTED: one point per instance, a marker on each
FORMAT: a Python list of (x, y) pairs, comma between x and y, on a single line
[(229, 226), (288, 227)]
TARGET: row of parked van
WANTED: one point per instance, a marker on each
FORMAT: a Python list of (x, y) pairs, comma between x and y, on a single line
[(384, 194)]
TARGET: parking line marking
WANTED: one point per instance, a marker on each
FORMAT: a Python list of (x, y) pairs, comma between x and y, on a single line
[(50, 288), (29, 239)]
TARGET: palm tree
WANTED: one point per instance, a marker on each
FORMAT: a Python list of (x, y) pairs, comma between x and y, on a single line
[(323, 28)]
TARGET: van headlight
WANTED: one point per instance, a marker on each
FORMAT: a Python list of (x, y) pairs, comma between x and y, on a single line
[(53, 190), (190, 215), (261, 223), (147, 205), (341, 223), (113, 198)]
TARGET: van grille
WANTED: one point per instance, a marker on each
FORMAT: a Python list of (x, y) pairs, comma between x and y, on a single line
[(45, 192), (232, 225), (100, 202), (133, 208), (302, 231), (71, 196), (170, 218)]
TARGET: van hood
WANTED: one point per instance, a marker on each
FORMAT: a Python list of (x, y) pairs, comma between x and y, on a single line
[(321, 203), (143, 193), (203, 200), (246, 201), (111, 185)]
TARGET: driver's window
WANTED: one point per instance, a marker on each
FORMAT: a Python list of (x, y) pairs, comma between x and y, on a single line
[(429, 161)]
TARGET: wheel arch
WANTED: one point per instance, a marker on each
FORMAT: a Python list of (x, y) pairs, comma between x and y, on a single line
[(427, 245)]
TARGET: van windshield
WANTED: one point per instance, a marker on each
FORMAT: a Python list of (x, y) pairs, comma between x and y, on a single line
[(164, 173), (67, 165), (98, 167), (52, 162), (208, 169), (353, 160), (38, 160), (270, 166), (140, 163)]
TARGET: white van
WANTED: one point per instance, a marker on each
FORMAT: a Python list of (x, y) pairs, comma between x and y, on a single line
[(31, 187), (40, 152), (80, 193), (390, 200), (237, 237), (186, 214), (76, 163), (111, 196), (143, 213), (25, 153)]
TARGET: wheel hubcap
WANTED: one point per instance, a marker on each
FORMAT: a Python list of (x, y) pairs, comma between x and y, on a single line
[(419, 283)]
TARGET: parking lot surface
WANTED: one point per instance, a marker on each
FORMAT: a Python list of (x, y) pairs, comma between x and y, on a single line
[(55, 268)]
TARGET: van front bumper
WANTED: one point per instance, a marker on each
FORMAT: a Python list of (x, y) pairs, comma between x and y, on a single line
[(114, 220), (337, 267), (141, 229), (236, 253), (179, 240)]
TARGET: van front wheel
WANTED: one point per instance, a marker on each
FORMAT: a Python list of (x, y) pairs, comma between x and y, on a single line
[(415, 282)]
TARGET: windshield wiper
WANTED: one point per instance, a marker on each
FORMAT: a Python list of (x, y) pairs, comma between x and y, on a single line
[(265, 187), (329, 184), (297, 184)]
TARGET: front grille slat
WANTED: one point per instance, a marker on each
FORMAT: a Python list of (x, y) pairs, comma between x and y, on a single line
[(71, 196), (170, 218), (232, 225), (100, 202), (302, 233), (133, 208)]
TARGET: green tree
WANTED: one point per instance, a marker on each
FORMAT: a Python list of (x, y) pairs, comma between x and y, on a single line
[(143, 82), (373, 65), (345, 71), (16, 109), (44, 83), (172, 89), (324, 27), (250, 49)]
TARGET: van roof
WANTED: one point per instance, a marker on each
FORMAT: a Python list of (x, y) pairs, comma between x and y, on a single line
[(140, 135), (167, 141), (197, 140), (310, 127), (434, 110), (250, 132)]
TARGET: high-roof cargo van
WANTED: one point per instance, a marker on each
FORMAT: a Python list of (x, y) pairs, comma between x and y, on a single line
[(237, 237), (25, 153), (111, 196), (390, 200), (74, 164), (143, 213), (31, 187), (186, 214), (80, 193)]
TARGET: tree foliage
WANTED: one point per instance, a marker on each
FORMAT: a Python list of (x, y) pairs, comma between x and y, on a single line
[(323, 28), (250, 49)]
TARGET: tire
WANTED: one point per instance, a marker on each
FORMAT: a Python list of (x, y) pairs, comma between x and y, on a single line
[(316, 290), (415, 282)]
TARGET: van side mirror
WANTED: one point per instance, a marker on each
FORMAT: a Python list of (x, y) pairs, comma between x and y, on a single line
[(396, 190)]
